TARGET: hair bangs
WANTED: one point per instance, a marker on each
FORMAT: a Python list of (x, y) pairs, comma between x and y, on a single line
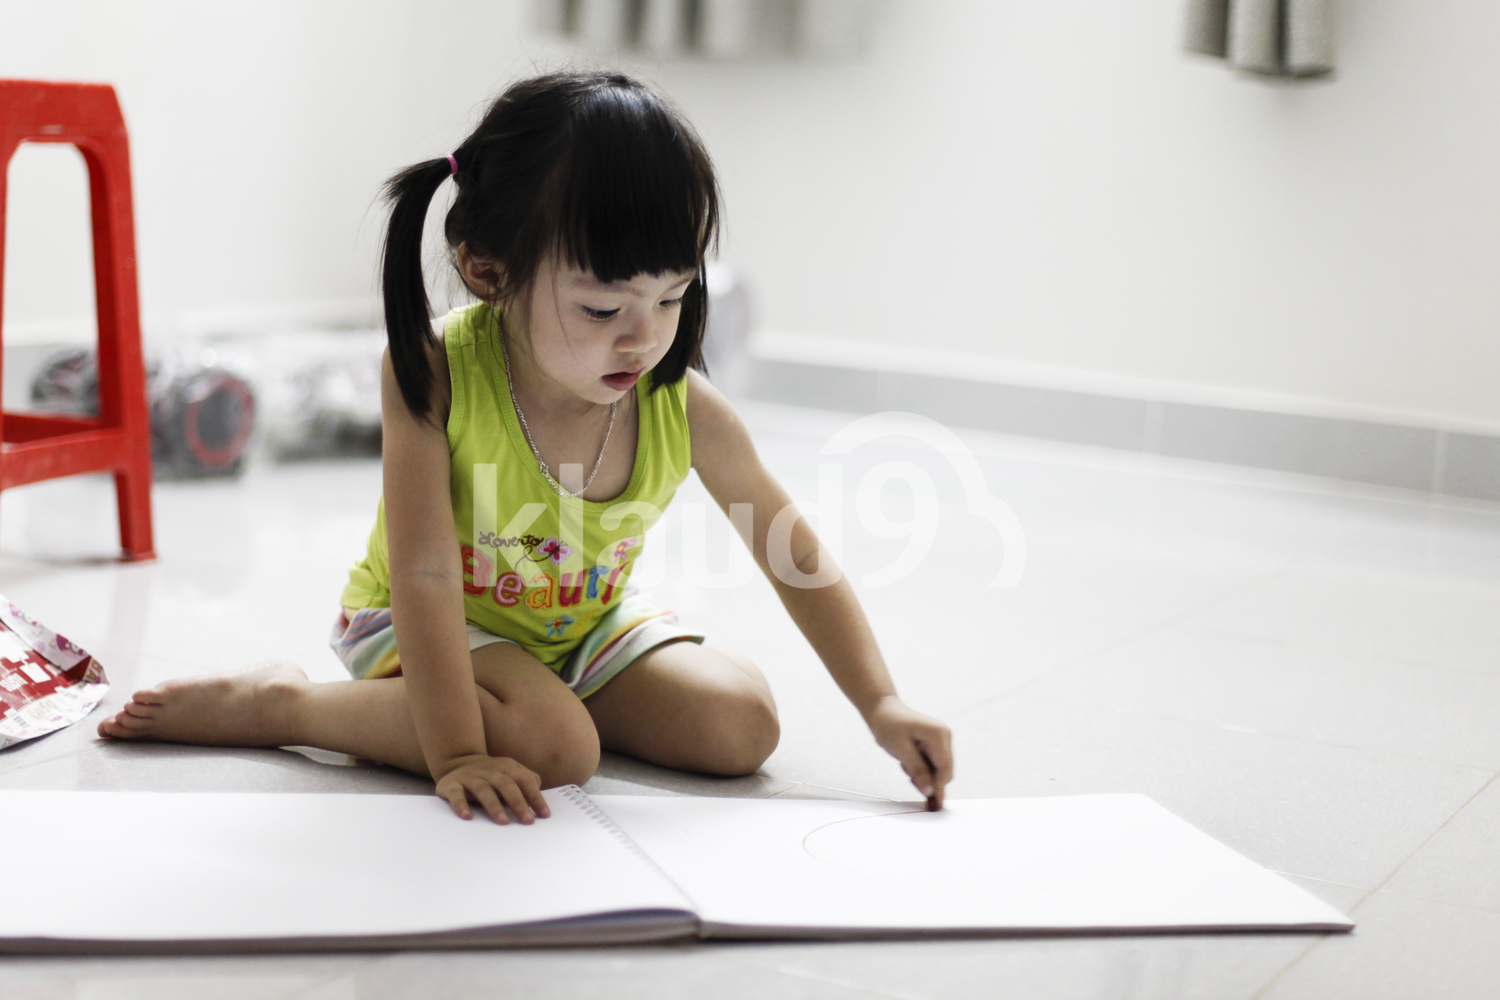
[(632, 197)]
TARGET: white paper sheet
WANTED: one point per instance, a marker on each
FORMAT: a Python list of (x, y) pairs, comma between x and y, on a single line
[(1062, 863), (231, 867), (143, 866)]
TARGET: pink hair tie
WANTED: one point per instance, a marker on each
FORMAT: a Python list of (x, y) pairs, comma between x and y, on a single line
[(453, 165)]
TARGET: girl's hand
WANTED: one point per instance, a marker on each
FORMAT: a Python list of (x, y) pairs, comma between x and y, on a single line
[(922, 744), (488, 781)]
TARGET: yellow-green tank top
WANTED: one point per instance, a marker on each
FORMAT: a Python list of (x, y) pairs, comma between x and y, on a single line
[(539, 568)]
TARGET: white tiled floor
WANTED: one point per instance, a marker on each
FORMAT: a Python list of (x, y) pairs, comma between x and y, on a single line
[(1309, 671)]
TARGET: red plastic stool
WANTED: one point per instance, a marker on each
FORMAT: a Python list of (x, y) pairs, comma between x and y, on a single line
[(35, 446)]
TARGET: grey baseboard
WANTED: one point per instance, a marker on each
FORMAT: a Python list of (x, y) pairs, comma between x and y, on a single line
[(1415, 458)]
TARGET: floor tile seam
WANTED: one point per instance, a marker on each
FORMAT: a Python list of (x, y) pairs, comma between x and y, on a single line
[(1430, 899), (1143, 633), (1148, 714), (1425, 665), (740, 959), (960, 707), (1264, 640), (1367, 893), (835, 788), (325, 981), (1325, 881), (1288, 967), (1346, 654), (1314, 946), (772, 795), (91, 748), (1494, 777), (844, 761)]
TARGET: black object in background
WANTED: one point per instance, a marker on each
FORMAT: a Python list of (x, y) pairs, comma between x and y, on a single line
[(201, 417)]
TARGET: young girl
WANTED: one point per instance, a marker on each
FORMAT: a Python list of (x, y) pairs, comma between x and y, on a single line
[(526, 452)]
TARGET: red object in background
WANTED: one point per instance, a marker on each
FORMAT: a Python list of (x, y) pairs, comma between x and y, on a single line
[(34, 447)]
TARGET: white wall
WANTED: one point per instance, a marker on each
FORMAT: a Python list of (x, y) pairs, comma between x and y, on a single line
[(260, 135), (1055, 183), (1048, 183)]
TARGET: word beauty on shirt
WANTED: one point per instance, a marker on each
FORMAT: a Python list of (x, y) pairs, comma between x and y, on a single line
[(539, 588)]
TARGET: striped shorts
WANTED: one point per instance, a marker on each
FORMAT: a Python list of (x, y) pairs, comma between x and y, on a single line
[(365, 642)]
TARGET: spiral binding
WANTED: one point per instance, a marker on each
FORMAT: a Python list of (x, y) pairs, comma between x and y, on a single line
[(581, 799)]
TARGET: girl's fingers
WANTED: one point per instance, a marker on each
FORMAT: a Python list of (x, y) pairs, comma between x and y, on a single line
[(939, 751), (484, 794), (946, 767), (923, 746), (516, 799), (528, 786), (915, 767), (924, 777), (457, 798), (941, 754), (495, 784), (919, 776), (935, 782), (531, 787)]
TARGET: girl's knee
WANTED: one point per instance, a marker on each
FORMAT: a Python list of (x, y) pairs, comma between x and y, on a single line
[(553, 736), (568, 753), (747, 731)]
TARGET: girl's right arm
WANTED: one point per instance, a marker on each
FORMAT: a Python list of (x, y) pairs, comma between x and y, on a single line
[(427, 610)]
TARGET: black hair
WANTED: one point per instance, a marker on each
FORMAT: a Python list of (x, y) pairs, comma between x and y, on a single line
[(595, 167)]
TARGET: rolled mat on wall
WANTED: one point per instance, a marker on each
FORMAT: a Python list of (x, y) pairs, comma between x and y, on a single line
[(1275, 38)]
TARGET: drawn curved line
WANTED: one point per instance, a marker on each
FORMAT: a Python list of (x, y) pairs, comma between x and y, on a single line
[(854, 819)]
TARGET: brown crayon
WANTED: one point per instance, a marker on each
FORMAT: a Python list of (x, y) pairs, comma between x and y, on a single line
[(932, 802)]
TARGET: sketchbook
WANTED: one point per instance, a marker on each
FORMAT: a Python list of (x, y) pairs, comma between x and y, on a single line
[(239, 871)]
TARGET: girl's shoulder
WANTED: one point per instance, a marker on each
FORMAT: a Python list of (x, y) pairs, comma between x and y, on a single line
[(709, 413), (716, 428), (467, 326), (468, 339)]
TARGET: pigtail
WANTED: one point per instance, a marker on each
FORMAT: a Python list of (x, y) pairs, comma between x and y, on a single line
[(408, 314)]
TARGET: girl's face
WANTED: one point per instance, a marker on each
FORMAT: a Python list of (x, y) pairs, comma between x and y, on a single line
[(595, 339)]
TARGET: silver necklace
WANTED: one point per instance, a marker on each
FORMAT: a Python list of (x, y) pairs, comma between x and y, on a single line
[(526, 429)]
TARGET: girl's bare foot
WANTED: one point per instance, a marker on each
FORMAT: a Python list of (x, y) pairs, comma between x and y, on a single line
[(252, 707)]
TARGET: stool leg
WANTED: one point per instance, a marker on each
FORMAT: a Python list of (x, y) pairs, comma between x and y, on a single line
[(88, 117), (133, 493)]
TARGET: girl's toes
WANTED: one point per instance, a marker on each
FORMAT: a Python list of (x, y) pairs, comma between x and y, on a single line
[(150, 696), (140, 710), (123, 726)]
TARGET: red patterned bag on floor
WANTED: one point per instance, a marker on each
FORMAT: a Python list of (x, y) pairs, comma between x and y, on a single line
[(46, 682)]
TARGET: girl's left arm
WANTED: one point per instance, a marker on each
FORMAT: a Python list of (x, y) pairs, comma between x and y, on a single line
[(829, 615)]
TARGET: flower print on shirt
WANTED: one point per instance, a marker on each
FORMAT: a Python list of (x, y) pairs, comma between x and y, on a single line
[(556, 550), (623, 547)]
